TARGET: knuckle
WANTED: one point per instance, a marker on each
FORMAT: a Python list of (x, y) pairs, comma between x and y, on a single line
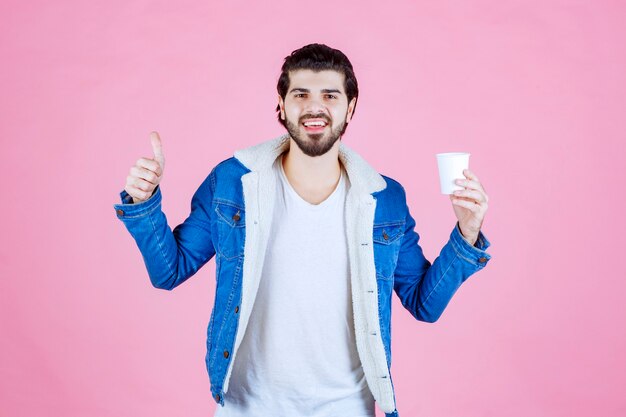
[(146, 173), (133, 193)]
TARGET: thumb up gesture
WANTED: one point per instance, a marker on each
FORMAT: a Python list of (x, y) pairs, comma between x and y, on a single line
[(147, 173)]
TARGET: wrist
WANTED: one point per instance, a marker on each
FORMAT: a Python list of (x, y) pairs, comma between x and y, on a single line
[(470, 238)]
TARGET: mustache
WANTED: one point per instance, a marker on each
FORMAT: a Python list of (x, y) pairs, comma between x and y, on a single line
[(315, 116)]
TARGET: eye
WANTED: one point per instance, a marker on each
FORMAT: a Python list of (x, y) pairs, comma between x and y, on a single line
[(331, 96), (300, 94)]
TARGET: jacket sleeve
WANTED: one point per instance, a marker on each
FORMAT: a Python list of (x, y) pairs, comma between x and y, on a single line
[(425, 289), (170, 256)]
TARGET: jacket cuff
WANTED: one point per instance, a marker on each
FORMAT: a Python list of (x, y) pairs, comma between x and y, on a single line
[(474, 254), (128, 210)]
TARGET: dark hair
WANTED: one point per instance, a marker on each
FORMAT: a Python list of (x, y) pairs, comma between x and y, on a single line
[(317, 57)]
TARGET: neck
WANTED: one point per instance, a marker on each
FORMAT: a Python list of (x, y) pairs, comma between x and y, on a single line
[(313, 174)]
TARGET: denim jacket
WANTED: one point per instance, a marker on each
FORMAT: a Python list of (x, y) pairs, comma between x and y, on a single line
[(230, 218)]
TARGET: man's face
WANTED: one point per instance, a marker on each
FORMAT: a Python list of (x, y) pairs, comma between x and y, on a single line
[(316, 109)]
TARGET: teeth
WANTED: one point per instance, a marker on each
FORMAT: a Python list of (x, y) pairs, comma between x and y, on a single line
[(315, 124)]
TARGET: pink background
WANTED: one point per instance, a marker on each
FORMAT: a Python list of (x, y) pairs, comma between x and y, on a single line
[(535, 90)]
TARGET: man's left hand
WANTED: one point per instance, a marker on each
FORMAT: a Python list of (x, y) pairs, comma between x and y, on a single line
[(470, 205)]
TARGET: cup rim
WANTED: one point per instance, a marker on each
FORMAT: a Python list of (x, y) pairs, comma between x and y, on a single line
[(444, 154)]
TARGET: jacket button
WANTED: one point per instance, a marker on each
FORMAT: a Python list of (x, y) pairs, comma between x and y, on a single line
[(226, 354), (236, 309), (217, 398), (385, 236), (236, 216), (482, 260), (120, 212)]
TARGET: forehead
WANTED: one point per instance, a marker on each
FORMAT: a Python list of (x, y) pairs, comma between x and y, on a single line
[(312, 80)]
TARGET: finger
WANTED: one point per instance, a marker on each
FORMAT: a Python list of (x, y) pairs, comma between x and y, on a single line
[(139, 183), (150, 165), (469, 200), (472, 206), (137, 194), (157, 147), (145, 174), (472, 176), (469, 174), (469, 184), (474, 195)]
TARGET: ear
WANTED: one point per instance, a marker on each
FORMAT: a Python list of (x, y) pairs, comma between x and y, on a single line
[(281, 104), (350, 109)]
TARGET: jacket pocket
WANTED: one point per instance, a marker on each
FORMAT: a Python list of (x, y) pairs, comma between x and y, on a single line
[(387, 239), (231, 229)]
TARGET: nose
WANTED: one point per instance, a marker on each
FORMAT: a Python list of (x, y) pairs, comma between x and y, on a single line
[(315, 106)]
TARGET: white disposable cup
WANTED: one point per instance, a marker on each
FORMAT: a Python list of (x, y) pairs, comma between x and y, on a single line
[(451, 166)]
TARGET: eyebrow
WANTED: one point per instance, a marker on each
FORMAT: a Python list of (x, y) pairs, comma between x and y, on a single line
[(306, 90)]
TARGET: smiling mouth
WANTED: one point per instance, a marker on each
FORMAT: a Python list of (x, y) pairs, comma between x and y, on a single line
[(314, 125)]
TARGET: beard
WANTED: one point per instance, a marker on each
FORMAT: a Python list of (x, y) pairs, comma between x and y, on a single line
[(315, 144)]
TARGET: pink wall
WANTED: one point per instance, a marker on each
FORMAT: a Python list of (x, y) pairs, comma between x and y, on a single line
[(535, 90)]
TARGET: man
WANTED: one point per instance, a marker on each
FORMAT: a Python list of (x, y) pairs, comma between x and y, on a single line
[(310, 242)]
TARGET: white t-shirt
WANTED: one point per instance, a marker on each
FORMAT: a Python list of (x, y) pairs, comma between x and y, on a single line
[(298, 356)]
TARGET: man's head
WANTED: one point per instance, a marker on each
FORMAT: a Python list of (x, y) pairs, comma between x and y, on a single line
[(316, 86)]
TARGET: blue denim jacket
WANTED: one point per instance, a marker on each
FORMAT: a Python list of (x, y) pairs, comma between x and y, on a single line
[(230, 218)]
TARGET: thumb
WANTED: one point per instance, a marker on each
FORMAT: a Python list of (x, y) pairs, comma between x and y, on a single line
[(157, 148)]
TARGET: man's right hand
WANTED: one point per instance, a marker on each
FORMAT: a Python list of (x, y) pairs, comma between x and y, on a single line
[(147, 173)]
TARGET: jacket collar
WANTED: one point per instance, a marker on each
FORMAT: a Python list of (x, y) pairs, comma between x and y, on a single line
[(360, 173)]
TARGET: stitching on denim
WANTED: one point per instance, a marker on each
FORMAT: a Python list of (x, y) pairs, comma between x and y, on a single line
[(461, 251), (148, 211), (436, 285), (380, 324), (238, 254), (235, 282), (390, 223), (228, 203), (212, 319), (218, 268), (161, 247), (387, 246), (212, 182), (240, 223), (392, 239), (227, 308), (460, 254), (381, 276)]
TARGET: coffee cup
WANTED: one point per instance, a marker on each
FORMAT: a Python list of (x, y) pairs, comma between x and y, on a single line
[(451, 166)]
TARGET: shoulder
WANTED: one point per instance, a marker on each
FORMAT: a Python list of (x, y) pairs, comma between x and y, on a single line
[(226, 172), (230, 167), (393, 185), (225, 181), (390, 202), (394, 190)]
